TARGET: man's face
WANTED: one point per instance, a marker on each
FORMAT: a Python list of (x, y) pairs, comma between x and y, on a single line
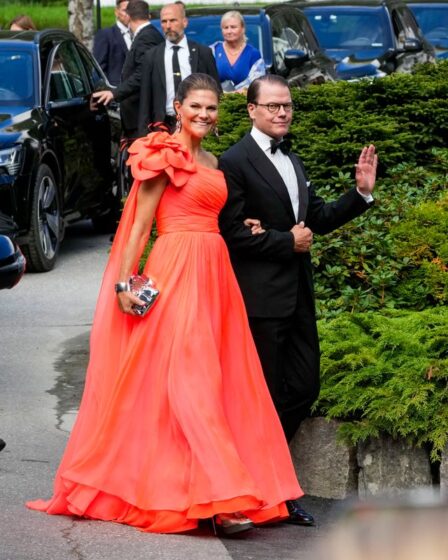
[(173, 22), (274, 124), (120, 13)]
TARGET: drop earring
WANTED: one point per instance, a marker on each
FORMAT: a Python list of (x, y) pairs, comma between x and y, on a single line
[(214, 130), (178, 123)]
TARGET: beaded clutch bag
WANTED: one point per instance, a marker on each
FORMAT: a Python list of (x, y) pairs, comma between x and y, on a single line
[(144, 288)]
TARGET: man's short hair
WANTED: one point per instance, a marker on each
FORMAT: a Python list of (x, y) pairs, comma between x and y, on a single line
[(178, 3), (253, 91), (138, 9)]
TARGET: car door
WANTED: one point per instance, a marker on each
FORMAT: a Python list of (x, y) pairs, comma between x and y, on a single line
[(408, 38), (295, 48), (106, 136), (71, 122)]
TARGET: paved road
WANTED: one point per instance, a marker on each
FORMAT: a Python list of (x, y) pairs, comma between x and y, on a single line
[(44, 327)]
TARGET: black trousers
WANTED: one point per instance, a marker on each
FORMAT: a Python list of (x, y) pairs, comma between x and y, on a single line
[(289, 353)]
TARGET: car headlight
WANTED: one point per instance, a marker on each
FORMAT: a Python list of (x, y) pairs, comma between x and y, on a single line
[(10, 159)]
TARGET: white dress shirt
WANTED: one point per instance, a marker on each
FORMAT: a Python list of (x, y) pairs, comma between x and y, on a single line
[(126, 32), (283, 165), (185, 69)]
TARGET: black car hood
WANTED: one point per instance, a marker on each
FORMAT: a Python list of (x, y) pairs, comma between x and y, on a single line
[(360, 64)]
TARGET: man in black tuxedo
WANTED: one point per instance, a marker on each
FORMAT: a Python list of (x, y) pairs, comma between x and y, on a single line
[(274, 267), (146, 36), (112, 44), (167, 64), (274, 270)]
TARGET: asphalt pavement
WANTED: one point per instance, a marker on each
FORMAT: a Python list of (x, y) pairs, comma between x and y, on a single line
[(44, 329)]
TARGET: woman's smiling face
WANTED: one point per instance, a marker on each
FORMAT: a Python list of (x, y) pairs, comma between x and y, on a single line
[(198, 112)]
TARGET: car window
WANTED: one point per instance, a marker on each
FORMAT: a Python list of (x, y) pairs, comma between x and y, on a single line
[(16, 78), (399, 29), (433, 20), (287, 33), (346, 28), (67, 78), (96, 78), (409, 25)]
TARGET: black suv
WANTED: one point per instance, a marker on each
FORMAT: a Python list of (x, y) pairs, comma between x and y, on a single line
[(368, 38), (279, 31), (59, 153)]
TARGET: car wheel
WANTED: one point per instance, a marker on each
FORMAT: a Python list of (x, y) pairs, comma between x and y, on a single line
[(44, 236), (108, 222)]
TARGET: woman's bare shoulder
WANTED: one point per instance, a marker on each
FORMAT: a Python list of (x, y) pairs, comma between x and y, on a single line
[(210, 160)]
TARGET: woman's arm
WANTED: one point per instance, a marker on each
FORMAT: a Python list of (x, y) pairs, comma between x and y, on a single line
[(148, 198)]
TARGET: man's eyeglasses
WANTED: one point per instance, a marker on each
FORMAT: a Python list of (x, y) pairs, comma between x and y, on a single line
[(275, 107)]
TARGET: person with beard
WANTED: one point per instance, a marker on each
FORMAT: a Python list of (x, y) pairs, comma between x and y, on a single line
[(165, 66)]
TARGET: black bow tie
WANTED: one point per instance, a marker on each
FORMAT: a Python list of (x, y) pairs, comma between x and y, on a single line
[(283, 145)]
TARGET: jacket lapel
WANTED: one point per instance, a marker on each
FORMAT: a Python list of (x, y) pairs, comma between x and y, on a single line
[(303, 188), (268, 173), (160, 64), (194, 56), (118, 37)]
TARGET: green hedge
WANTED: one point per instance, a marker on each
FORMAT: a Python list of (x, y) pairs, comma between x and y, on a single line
[(387, 373)]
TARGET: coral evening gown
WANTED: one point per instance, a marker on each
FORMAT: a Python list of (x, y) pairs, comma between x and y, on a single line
[(176, 423)]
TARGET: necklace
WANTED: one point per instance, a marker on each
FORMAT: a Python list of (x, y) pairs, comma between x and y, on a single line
[(235, 51)]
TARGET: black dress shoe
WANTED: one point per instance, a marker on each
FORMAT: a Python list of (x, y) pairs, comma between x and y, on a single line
[(2, 444), (297, 515)]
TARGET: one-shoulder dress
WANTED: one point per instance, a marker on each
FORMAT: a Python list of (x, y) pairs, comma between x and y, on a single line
[(176, 423)]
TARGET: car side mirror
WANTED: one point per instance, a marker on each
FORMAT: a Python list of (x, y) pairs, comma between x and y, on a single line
[(412, 45), (294, 58)]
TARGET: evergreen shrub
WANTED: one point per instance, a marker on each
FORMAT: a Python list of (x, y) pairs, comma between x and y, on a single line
[(387, 373)]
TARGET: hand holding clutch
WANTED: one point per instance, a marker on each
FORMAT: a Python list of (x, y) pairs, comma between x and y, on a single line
[(144, 288), (141, 287)]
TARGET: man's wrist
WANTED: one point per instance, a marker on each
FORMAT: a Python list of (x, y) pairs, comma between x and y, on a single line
[(367, 197)]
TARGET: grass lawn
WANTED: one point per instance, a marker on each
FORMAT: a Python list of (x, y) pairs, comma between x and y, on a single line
[(56, 16), (47, 16)]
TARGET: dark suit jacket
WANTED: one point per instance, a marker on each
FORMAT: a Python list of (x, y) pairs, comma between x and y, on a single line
[(127, 93), (271, 275), (153, 86), (110, 50)]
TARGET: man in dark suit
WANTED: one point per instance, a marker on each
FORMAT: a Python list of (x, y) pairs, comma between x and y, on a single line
[(112, 44), (145, 38), (274, 267), (167, 64)]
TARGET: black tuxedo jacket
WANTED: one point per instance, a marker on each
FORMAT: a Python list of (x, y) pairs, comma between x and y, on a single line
[(153, 85), (110, 50), (127, 93), (270, 274)]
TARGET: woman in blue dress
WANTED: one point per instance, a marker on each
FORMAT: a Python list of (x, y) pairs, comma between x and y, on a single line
[(238, 62)]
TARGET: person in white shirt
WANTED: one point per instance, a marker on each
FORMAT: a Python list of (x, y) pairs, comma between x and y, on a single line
[(145, 38), (112, 44)]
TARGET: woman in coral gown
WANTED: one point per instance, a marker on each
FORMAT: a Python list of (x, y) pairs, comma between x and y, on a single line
[(176, 423)]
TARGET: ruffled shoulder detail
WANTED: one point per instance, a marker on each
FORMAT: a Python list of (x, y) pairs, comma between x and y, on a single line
[(157, 152)]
